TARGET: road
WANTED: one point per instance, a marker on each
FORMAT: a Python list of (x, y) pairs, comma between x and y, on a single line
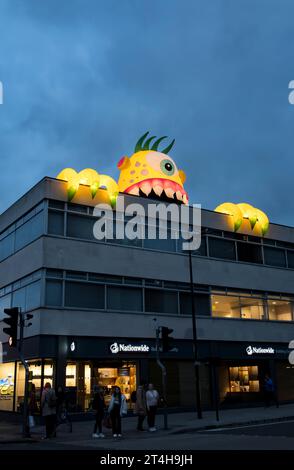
[(274, 436)]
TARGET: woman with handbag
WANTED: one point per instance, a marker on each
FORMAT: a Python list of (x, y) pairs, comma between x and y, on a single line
[(140, 407), (117, 408)]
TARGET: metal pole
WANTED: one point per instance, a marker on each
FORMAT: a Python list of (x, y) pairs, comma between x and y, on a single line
[(25, 428), (195, 349), (215, 390), (163, 371)]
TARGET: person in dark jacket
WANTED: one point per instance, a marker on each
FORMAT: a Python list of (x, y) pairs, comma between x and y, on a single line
[(99, 406)]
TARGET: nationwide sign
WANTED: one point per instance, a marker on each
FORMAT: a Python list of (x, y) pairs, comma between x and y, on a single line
[(122, 347), (250, 350)]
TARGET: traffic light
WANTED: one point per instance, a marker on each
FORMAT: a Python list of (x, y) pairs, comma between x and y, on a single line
[(12, 322), (166, 339)]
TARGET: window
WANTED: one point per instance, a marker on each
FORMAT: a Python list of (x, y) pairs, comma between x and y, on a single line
[(84, 295), (80, 226), (219, 248), (226, 306), (29, 231), (274, 257), (280, 309), (56, 223), (33, 295), (124, 298), (244, 379), (19, 298), (7, 246), (56, 204), (161, 245), (202, 304), (290, 256), (53, 293), (202, 251), (161, 301), (7, 380), (4, 303), (248, 252), (252, 308)]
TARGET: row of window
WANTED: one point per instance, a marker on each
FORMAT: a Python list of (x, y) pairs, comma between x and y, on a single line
[(103, 296), (81, 226), (70, 289), (77, 222)]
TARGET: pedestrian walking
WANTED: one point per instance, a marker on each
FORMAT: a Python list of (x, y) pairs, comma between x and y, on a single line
[(48, 407), (117, 408), (152, 398), (140, 407), (98, 405), (268, 390), (32, 406)]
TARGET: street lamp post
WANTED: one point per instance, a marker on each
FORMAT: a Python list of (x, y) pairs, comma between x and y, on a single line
[(195, 348)]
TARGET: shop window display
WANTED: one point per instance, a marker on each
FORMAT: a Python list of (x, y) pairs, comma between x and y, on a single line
[(7, 380), (123, 377), (243, 379), (36, 369)]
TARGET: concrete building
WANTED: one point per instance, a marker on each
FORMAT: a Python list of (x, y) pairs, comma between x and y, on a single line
[(96, 304)]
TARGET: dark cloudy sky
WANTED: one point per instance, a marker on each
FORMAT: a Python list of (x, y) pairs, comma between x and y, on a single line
[(84, 79)]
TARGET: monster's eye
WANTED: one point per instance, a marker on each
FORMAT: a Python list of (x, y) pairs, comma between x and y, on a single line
[(167, 167)]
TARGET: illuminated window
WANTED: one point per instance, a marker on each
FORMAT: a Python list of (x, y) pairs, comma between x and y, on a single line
[(232, 306), (252, 308), (244, 379), (225, 306), (71, 375), (280, 309), (7, 386)]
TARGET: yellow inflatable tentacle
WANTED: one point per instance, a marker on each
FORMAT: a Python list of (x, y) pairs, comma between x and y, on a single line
[(111, 187), (263, 220), (233, 210), (90, 178)]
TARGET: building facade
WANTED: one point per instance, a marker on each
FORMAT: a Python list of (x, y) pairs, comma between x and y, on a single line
[(96, 305)]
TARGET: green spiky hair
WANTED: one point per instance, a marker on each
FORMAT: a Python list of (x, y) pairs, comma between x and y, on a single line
[(140, 145)]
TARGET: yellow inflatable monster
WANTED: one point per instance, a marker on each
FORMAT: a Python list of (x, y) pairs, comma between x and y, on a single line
[(152, 173), (149, 172)]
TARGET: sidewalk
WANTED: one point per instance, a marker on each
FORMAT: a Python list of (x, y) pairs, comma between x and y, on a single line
[(178, 423)]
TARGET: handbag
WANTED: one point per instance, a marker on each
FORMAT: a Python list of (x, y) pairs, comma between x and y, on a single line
[(107, 422)]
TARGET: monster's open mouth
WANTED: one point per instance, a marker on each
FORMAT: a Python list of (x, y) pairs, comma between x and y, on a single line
[(159, 187)]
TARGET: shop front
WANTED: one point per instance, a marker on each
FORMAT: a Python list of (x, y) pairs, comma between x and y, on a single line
[(82, 376), (242, 368), (12, 382)]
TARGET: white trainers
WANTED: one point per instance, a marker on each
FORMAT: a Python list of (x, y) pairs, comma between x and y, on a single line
[(101, 435), (95, 435), (152, 429), (114, 435), (119, 435)]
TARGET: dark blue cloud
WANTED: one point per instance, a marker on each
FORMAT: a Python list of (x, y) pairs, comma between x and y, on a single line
[(83, 79)]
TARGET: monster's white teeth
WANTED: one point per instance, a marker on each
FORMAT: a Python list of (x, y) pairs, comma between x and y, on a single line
[(179, 196), (134, 191), (146, 188), (169, 192), (185, 199), (158, 190)]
